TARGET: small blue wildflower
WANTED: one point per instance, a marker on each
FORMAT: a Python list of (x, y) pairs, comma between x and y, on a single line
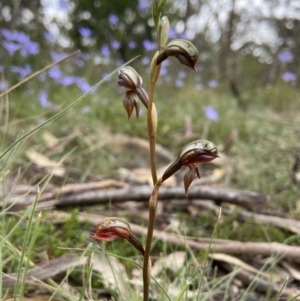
[(213, 83), (43, 98), (179, 83), (285, 56), (57, 56), (172, 33), (22, 71), (6, 33), (143, 5), (55, 73), (163, 70), (83, 85), (181, 74), (211, 113), (148, 45), (3, 85), (115, 44), (105, 50), (20, 37), (113, 19), (85, 32), (30, 48), (68, 80), (132, 44), (183, 35), (145, 60), (49, 36), (11, 47), (63, 5), (289, 76), (78, 61)]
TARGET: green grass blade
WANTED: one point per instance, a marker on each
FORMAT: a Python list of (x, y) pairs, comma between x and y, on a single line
[(25, 246), (276, 298), (183, 290)]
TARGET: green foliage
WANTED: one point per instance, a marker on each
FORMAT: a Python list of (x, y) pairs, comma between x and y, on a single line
[(280, 96)]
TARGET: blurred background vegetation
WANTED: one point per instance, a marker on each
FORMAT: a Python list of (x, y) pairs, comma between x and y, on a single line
[(246, 46), (246, 86)]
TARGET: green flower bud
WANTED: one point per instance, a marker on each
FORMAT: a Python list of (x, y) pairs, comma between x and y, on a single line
[(183, 50), (157, 7), (163, 32)]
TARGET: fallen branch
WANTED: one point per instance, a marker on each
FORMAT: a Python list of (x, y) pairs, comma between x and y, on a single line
[(280, 222), (263, 285), (141, 193), (45, 270), (216, 246)]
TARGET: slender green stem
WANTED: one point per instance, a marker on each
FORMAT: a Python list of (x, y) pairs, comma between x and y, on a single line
[(147, 261), (152, 126), (152, 132)]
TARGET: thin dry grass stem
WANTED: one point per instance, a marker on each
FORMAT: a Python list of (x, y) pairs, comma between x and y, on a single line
[(31, 76)]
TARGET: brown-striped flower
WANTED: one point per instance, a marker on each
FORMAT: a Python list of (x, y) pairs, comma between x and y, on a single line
[(193, 154), (183, 50), (133, 82), (112, 228)]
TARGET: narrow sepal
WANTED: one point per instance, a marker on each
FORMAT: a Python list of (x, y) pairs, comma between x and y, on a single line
[(188, 179), (130, 101)]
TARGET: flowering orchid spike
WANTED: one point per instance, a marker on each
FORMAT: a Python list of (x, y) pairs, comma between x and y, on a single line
[(112, 228), (183, 50), (193, 154)]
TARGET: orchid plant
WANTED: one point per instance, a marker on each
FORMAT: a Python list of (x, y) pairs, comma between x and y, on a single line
[(193, 154)]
